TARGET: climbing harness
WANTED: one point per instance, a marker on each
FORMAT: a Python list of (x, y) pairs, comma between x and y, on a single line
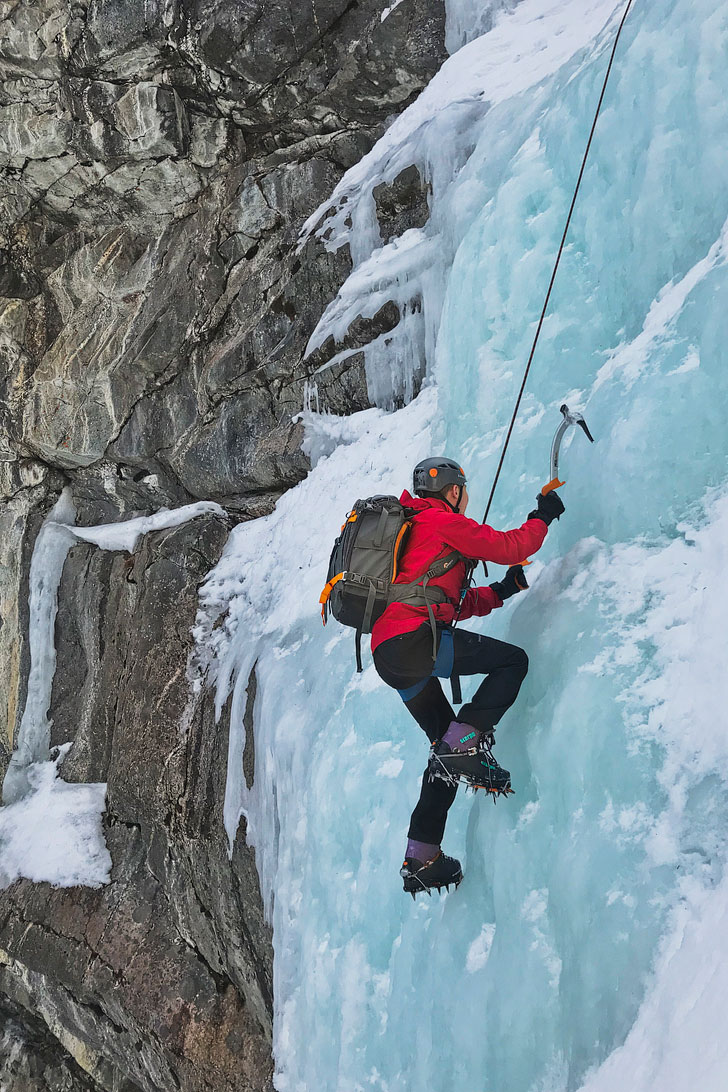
[(442, 667)]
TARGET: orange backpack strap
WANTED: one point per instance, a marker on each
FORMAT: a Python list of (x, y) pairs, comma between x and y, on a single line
[(324, 597)]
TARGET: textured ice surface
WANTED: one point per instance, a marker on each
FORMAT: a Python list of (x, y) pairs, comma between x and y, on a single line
[(586, 945)]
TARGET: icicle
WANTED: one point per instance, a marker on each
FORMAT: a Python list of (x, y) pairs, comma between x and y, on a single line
[(55, 538)]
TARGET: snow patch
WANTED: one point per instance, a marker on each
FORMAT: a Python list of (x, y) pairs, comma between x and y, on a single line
[(53, 834), (479, 950), (388, 11)]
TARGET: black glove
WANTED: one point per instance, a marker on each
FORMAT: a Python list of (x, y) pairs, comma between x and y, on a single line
[(513, 582), (550, 507)]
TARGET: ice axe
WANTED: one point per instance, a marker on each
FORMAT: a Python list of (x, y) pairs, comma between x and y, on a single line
[(569, 419)]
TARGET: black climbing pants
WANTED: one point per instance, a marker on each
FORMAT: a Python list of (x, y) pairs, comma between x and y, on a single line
[(404, 660)]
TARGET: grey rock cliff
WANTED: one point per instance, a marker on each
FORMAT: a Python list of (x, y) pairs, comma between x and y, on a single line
[(31, 1061), (157, 161)]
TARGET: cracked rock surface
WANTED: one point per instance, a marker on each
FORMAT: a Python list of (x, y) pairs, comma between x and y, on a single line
[(162, 978), (30, 1061), (157, 161)]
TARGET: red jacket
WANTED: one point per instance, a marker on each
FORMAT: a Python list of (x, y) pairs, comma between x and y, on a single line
[(436, 531)]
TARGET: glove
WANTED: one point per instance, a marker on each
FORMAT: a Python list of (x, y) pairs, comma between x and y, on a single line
[(550, 507), (513, 582)]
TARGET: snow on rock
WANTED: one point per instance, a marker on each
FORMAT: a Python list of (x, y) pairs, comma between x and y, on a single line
[(524, 49), (388, 11), (53, 834), (50, 830)]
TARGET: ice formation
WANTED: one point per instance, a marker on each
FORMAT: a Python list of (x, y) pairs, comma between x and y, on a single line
[(584, 944), (51, 830)]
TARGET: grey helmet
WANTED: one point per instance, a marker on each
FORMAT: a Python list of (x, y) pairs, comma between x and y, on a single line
[(436, 473)]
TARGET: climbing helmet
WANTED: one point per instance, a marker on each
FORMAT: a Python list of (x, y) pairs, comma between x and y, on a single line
[(436, 473)]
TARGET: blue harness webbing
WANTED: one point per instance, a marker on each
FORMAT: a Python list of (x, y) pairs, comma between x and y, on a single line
[(442, 667)]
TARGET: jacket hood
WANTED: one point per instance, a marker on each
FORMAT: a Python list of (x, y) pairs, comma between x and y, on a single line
[(420, 504)]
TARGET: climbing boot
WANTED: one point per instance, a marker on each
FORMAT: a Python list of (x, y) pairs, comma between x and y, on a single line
[(477, 767), (440, 872)]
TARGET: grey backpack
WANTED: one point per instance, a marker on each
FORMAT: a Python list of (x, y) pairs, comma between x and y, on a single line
[(364, 564)]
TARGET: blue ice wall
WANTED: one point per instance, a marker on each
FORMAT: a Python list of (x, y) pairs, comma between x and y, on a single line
[(535, 970)]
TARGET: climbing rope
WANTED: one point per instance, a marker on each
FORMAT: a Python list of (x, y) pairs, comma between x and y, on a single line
[(471, 567), (556, 263)]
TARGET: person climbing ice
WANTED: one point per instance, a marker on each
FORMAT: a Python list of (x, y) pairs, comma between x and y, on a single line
[(410, 641)]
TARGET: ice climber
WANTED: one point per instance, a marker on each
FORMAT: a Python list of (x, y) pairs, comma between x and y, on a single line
[(404, 647)]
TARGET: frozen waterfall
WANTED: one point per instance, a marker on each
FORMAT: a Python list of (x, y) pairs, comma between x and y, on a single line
[(584, 948)]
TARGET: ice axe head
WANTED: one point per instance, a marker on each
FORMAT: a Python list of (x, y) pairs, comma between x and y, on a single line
[(576, 419), (569, 419)]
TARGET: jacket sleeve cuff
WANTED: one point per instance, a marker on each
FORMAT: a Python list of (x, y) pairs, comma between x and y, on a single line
[(497, 601), (486, 601)]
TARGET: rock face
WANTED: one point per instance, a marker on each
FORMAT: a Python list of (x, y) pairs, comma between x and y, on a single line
[(157, 161), (162, 977), (30, 1061)]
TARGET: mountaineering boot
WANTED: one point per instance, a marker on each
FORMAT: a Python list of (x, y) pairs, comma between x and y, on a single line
[(476, 766), (440, 872)]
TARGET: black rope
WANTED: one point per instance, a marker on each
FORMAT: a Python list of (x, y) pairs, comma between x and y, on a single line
[(472, 566), (556, 264)]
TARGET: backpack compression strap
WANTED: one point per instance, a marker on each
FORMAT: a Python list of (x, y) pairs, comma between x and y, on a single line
[(416, 594), (324, 597)]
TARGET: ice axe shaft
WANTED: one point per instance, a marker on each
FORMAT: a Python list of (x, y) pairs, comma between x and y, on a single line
[(569, 419)]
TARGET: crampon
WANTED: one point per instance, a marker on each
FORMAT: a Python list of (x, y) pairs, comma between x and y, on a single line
[(440, 872), (476, 768)]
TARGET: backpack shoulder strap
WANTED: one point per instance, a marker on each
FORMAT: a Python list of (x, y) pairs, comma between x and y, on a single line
[(442, 564), (417, 590)]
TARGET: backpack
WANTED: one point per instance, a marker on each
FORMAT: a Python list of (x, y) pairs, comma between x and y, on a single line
[(364, 564)]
